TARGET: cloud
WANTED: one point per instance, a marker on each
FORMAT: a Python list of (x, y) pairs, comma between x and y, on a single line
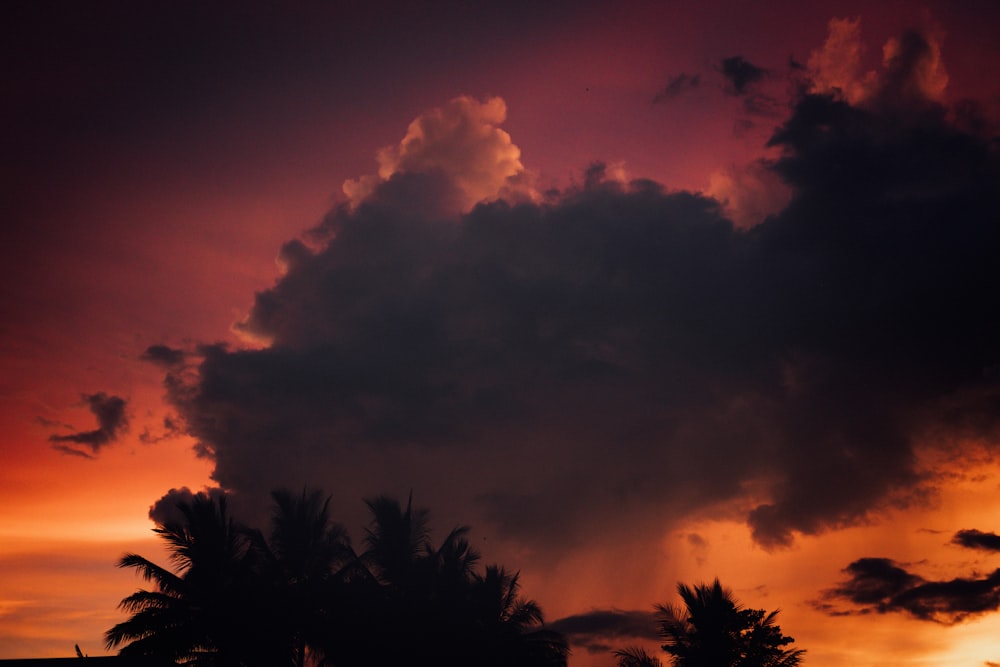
[(880, 585), (163, 355), (111, 422), (72, 451), (742, 79), (169, 429), (165, 511), (912, 70), (833, 68), (976, 539), (698, 546), (545, 366), (749, 194), (677, 85), (460, 142), (741, 75), (597, 630)]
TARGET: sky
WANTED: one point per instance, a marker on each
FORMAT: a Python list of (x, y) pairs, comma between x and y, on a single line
[(644, 292)]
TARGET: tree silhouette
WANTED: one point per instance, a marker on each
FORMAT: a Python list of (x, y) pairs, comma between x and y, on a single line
[(637, 657), (303, 564), (432, 607), (510, 628), (302, 596), (712, 629), (398, 542), (203, 613)]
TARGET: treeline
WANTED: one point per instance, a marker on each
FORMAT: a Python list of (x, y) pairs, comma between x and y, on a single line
[(301, 594)]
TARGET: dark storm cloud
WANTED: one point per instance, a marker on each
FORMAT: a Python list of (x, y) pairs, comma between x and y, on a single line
[(621, 349), (976, 539), (111, 421), (893, 200), (595, 629), (163, 355), (676, 85), (741, 80), (165, 510), (883, 586), (740, 74)]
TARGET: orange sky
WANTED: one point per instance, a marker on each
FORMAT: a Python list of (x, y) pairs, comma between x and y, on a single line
[(153, 180)]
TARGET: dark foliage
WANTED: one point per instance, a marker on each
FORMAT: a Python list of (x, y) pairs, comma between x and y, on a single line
[(301, 595), (712, 629)]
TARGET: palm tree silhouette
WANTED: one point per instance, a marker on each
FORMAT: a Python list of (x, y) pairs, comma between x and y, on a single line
[(398, 542), (203, 612), (303, 564), (712, 629), (636, 657), (507, 628), (706, 630), (437, 609), (236, 598), (417, 588)]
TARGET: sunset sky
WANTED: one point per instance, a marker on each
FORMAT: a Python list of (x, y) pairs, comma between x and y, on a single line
[(644, 292)]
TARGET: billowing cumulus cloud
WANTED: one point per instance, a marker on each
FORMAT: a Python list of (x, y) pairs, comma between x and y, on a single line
[(882, 586), (111, 421), (461, 142), (912, 71), (833, 68), (749, 194), (620, 349)]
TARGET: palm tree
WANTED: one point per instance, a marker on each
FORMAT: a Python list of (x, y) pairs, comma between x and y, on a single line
[(712, 629), (404, 615), (397, 541), (508, 629), (305, 541), (636, 657), (452, 565), (203, 612), (434, 608), (706, 630), (303, 563), (237, 599)]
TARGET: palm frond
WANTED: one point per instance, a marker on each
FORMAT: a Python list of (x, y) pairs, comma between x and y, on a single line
[(636, 657), (150, 571)]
